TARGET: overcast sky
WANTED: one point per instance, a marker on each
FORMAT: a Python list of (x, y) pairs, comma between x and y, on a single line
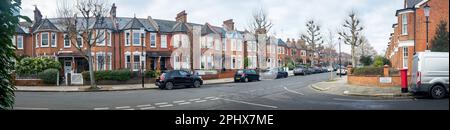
[(288, 16)]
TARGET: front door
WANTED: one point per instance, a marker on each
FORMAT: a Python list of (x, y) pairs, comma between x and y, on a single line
[(67, 66)]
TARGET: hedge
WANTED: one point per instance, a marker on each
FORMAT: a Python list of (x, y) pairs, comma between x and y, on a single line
[(49, 76), (119, 75), (28, 66), (368, 71)]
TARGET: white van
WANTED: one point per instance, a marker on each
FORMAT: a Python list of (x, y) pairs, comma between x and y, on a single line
[(430, 74)]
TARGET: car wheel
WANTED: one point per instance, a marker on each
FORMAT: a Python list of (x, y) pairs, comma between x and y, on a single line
[(169, 86), (438, 92), (246, 80), (197, 84)]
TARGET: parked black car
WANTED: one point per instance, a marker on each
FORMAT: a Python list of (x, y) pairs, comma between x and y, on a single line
[(282, 73), (246, 75), (170, 79)]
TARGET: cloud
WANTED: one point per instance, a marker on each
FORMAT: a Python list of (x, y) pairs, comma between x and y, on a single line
[(288, 16)]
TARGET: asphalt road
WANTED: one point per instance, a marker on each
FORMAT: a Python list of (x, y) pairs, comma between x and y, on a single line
[(292, 93)]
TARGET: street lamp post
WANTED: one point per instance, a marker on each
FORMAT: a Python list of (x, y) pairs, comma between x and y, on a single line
[(426, 9), (340, 62), (142, 56)]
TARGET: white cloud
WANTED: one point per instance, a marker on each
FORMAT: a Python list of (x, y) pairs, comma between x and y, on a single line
[(288, 16)]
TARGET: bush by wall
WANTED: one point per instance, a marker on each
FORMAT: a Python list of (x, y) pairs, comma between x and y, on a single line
[(49, 76), (28, 66), (368, 71)]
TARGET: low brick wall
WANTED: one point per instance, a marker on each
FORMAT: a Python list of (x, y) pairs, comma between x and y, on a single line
[(131, 81), (31, 82), (373, 81)]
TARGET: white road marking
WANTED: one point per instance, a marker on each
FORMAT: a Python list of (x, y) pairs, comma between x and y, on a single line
[(249, 103), (147, 108), (146, 105), (293, 91), (29, 108), (123, 107), (168, 105), (195, 99), (161, 103), (214, 99), (184, 103), (179, 101), (128, 109), (209, 97), (201, 101), (356, 100), (102, 108)]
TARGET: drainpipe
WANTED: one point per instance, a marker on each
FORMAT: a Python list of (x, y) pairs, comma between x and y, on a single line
[(415, 14)]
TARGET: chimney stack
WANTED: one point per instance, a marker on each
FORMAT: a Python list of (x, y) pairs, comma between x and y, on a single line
[(37, 15), (229, 24), (182, 17), (113, 12)]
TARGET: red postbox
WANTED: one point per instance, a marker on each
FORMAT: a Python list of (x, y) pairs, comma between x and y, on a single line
[(404, 77)]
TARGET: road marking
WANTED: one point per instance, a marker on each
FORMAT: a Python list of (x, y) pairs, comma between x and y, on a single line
[(179, 101), (168, 105), (161, 103), (184, 103), (29, 108), (209, 97), (249, 103), (195, 99), (146, 105), (123, 107), (215, 99), (293, 91), (102, 108), (201, 101), (128, 109), (147, 108), (356, 100)]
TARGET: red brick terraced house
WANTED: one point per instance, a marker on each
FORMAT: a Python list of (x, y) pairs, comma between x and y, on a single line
[(409, 33), (130, 42)]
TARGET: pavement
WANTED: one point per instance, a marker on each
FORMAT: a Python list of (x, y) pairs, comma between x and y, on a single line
[(339, 86), (86, 88)]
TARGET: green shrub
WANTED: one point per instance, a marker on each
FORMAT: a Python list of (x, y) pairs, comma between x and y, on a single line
[(49, 76), (151, 74), (118, 75), (380, 61), (27, 65), (368, 71)]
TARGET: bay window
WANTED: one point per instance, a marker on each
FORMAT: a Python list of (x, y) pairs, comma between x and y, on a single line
[(44, 40), (53, 39), (163, 41), (152, 40)]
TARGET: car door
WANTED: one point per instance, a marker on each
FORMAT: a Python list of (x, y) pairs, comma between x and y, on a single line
[(253, 74), (177, 78), (186, 78)]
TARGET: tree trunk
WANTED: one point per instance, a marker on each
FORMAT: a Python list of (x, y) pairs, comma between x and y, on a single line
[(91, 70), (353, 56)]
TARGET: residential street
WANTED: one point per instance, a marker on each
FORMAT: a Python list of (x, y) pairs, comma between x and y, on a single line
[(293, 93)]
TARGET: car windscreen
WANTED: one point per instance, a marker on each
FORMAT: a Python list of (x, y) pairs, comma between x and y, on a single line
[(239, 72)]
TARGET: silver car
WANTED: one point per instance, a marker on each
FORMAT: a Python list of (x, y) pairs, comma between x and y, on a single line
[(430, 74)]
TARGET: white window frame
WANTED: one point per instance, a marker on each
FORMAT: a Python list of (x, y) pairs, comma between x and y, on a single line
[(133, 38), (81, 40), (126, 63), (405, 55), (65, 40), (153, 40), (19, 42), (163, 41), (42, 39), (127, 35), (37, 40), (110, 61), (55, 41), (217, 44), (101, 41), (109, 37), (405, 24), (98, 61)]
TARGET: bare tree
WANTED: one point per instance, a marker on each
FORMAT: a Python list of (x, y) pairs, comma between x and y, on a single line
[(313, 37), (260, 25), (330, 47), (351, 34), (87, 27)]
